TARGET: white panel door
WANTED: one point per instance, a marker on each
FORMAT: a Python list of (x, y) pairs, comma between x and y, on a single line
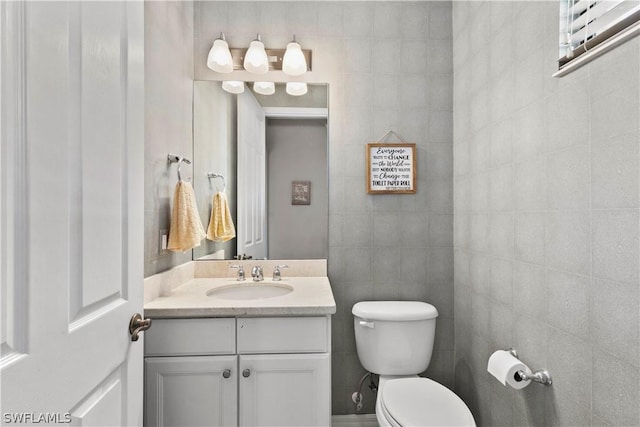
[(191, 391), (73, 146), (285, 390), (252, 177)]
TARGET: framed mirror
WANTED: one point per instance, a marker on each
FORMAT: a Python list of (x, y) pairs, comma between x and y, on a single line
[(252, 148)]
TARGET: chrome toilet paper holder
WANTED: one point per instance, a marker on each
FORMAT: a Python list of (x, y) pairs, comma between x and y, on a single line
[(542, 376)]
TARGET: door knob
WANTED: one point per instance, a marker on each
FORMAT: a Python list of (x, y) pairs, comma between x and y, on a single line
[(246, 373), (226, 373), (137, 325)]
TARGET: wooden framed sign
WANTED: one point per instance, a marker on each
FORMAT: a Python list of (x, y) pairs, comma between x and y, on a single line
[(391, 168)]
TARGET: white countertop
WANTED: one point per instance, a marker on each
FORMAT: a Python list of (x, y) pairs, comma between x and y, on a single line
[(311, 296)]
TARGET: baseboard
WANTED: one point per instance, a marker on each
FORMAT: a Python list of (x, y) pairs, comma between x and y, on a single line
[(354, 420)]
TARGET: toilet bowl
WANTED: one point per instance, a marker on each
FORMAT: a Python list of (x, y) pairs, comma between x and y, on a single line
[(416, 401), (394, 339)]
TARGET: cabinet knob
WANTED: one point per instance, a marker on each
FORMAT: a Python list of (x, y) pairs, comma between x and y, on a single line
[(226, 373), (246, 373)]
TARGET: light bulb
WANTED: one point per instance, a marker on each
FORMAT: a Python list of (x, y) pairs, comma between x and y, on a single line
[(293, 62), (256, 60), (233, 86), (296, 88), (264, 88), (219, 58)]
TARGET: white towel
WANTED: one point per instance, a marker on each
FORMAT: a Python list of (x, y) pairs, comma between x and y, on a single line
[(221, 226), (186, 230)]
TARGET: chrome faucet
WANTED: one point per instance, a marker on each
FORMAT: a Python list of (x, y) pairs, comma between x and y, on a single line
[(256, 273), (277, 275), (240, 271)]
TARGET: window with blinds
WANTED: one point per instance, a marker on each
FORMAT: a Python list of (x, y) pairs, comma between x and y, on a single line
[(590, 27)]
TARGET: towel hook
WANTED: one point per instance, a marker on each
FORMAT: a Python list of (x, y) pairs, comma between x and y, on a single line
[(172, 158), (217, 175)]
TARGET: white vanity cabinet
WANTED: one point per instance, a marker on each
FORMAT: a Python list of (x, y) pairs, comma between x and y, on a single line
[(285, 390), (190, 391), (238, 372)]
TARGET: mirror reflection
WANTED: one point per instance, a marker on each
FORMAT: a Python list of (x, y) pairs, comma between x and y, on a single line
[(268, 154)]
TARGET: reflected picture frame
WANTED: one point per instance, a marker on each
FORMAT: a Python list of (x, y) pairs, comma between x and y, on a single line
[(300, 192)]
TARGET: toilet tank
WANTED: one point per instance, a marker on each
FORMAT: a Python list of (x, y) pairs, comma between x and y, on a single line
[(394, 337)]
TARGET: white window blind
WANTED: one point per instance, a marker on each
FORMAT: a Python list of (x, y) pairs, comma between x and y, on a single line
[(592, 26)]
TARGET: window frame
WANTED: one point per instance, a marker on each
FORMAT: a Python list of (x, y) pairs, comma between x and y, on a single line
[(613, 36)]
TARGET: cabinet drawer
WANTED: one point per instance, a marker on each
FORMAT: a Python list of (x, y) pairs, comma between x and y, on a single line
[(178, 337), (283, 335)]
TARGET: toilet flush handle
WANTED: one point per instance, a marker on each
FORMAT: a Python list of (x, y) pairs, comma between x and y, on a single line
[(367, 324)]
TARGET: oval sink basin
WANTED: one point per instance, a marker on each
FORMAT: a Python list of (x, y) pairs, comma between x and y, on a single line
[(253, 290)]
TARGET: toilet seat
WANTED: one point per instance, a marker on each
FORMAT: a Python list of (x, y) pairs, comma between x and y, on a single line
[(423, 402)]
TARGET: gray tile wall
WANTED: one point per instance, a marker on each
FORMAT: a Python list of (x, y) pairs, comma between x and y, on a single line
[(546, 191), (389, 66), (168, 65)]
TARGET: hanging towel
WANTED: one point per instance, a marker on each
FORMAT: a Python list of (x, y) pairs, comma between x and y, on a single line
[(221, 226), (186, 230)]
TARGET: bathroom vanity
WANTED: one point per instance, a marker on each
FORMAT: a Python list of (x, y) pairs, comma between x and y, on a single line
[(216, 358)]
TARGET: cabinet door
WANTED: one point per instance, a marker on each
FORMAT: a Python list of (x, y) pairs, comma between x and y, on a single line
[(285, 390), (191, 391)]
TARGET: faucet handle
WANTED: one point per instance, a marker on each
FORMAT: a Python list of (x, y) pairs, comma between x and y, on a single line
[(276, 272), (240, 268)]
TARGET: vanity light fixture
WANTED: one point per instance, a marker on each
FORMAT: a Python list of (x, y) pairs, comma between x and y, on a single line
[(296, 88), (233, 86), (256, 60), (264, 88), (219, 58), (293, 62)]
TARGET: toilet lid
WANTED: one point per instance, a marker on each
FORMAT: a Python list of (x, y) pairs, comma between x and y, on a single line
[(423, 402), (398, 311)]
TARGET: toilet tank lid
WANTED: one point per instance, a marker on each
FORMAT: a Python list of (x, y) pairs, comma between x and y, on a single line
[(394, 310)]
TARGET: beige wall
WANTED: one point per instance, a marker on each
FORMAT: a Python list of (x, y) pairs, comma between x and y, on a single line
[(168, 64), (546, 219)]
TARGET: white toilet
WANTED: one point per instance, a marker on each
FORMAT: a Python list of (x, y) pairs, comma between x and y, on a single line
[(395, 340)]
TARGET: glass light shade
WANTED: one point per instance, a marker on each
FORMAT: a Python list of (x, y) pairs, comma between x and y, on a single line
[(264, 88), (219, 59), (296, 88), (293, 62), (255, 60), (233, 86)]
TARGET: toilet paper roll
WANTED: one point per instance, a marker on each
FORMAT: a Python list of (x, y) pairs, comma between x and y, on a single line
[(504, 367)]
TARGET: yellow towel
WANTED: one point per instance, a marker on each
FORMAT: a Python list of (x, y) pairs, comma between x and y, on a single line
[(221, 226), (186, 230)]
